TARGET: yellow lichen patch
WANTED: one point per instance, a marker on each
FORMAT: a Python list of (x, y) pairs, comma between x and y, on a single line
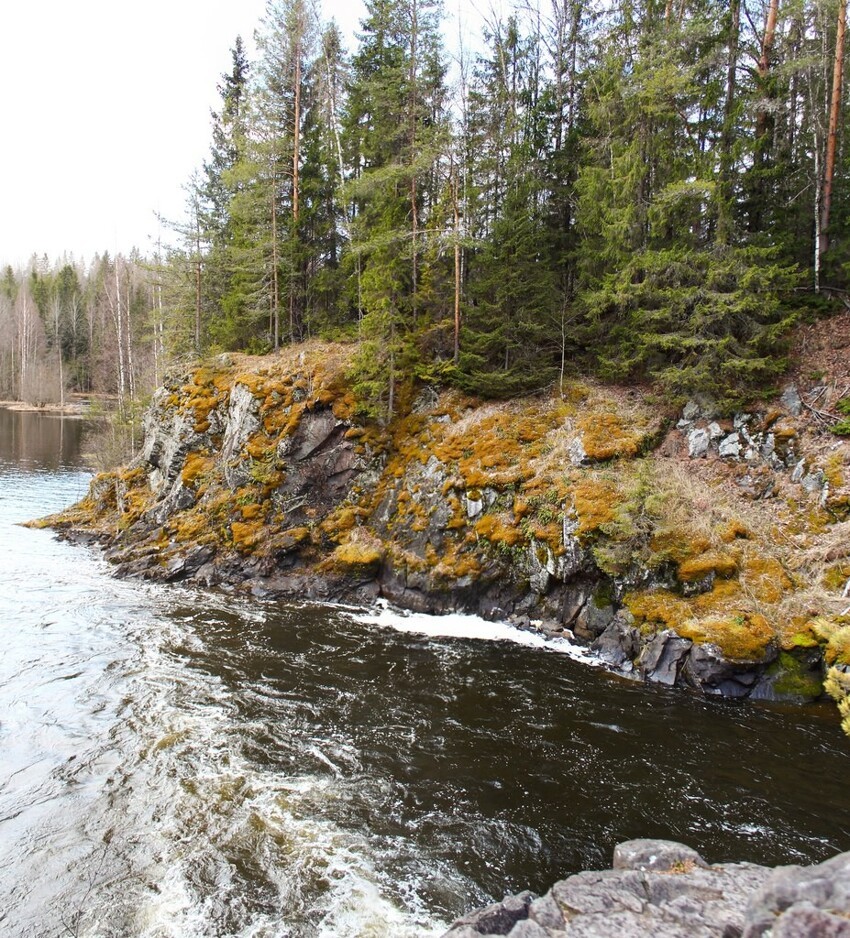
[(287, 540), (701, 566), (765, 578), (499, 530), (834, 469), (742, 637), (606, 436), (657, 607), (196, 467), (595, 504), (246, 534)]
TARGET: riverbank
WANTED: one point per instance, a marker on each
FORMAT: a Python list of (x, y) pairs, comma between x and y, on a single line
[(687, 548), (666, 890)]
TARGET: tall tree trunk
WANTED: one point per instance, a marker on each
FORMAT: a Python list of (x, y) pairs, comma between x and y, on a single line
[(832, 134), (724, 202), (275, 266), (414, 216), (197, 282), (457, 265), (296, 183), (762, 117)]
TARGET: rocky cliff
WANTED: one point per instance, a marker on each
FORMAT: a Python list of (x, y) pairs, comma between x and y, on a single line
[(666, 890), (686, 548)]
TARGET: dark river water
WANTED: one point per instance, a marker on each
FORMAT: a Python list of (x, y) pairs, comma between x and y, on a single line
[(175, 762)]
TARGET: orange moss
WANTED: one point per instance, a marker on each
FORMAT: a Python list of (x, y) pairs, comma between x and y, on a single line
[(247, 535), (196, 466), (718, 598), (498, 530), (354, 556), (454, 564), (251, 512), (657, 607), (743, 637), (765, 578), (607, 436), (595, 504), (258, 446), (712, 561), (189, 526), (255, 382), (677, 546), (735, 530), (340, 521)]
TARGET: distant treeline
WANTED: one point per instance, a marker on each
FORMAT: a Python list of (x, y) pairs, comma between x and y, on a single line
[(646, 189)]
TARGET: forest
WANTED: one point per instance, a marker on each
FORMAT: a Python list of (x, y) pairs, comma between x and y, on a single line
[(646, 190)]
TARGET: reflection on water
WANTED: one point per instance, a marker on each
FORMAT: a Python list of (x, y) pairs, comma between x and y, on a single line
[(36, 440), (183, 763)]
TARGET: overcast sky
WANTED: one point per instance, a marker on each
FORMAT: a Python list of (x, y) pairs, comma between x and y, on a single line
[(105, 108)]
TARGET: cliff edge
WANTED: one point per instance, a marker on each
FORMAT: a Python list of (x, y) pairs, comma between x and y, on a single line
[(687, 548)]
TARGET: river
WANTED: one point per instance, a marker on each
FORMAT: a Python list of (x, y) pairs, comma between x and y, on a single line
[(178, 762)]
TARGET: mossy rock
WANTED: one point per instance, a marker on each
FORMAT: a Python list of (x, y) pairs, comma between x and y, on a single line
[(793, 678), (607, 436), (711, 562), (355, 557), (742, 637)]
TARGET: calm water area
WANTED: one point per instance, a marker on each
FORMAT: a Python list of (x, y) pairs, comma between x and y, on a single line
[(178, 762)]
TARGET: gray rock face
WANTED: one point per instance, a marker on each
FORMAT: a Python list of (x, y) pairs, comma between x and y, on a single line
[(730, 447), (578, 457), (662, 889), (813, 482), (242, 421), (691, 411), (497, 919), (792, 401), (698, 442), (662, 657), (617, 644), (816, 898), (655, 856)]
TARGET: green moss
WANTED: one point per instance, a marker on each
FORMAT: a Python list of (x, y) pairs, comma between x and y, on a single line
[(794, 678)]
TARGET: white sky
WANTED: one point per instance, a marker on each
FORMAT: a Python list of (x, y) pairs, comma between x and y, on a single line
[(105, 109)]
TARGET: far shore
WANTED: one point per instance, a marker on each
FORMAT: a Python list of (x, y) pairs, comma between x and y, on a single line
[(77, 406)]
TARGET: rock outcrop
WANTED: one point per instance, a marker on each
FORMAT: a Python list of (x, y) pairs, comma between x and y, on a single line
[(661, 889), (711, 553)]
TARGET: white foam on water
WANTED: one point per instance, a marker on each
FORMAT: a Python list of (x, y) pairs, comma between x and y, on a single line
[(232, 847), (461, 625)]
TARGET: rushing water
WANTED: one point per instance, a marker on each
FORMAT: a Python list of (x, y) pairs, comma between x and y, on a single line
[(176, 762)]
